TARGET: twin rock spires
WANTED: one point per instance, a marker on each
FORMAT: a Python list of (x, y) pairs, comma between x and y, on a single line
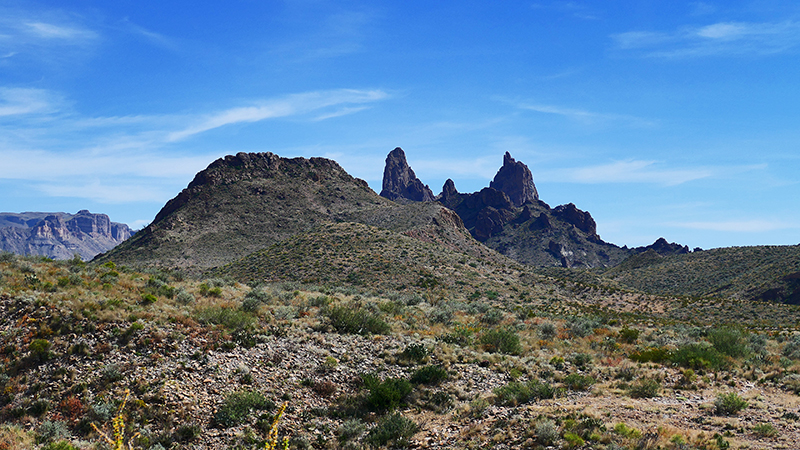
[(400, 183)]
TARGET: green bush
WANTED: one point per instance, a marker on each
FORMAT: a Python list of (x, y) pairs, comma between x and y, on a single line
[(385, 395), (629, 335), (230, 318), (547, 331), (40, 350), (578, 382), (516, 393), (765, 430), (237, 407), (729, 404), (395, 430), (351, 429), (501, 340), (346, 319), (645, 388), (651, 354), (699, 356), (791, 349), (546, 432), (429, 375), (415, 352), (729, 341), (59, 445)]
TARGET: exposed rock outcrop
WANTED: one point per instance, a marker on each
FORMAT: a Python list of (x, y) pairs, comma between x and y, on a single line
[(515, 180), (60, 235), (400, 182), (662, 247)]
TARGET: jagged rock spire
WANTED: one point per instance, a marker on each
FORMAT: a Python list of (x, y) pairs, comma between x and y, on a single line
[(400, 182), (516, 180)]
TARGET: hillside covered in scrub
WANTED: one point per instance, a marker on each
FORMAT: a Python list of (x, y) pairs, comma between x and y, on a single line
[(509, 360)]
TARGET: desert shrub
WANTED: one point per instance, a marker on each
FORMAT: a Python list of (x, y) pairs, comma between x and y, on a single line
[(439, 402), (573, 440), (351, 320), (629, 335), (230, 318), (582, 326), (729, 404), (429, 375), (650, 354), (627, 373), (395, 430), (159, 286), (443, 314), (547, 331), (492, 316), (546, 431), (385, 395), (699, 356), (255, 298), (461, 335), (415, 352), (626, 431), (581, 360), (516, 393), (187, 433), (792, 348), (284, 312), (237, 407), (59, 445), (351, 429), (645, 388), (52, 430), (183, 296), (765, 430), (791, 382), (324, 388), (578, 382), (40, 350), (501, 340), (729, 341)]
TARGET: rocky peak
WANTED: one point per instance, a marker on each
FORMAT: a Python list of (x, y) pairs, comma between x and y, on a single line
[(449, 191), (582, 220), (516, 181), (400, 182)]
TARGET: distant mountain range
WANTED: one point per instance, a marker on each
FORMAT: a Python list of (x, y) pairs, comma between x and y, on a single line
[(60, 235)]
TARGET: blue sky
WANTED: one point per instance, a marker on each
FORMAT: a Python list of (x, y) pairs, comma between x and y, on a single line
[(661, 118)]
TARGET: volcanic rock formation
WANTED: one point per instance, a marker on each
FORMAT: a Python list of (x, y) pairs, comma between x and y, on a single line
[(516, 181), (400, 182)]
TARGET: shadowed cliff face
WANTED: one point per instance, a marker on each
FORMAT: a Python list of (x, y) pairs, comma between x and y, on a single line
[(399, 181), (60, 235), (516, 181)]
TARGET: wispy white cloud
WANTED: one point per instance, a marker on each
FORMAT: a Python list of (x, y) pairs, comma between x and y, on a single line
[(43, 35), (738, 226), (52, 31), (44, 165), (289, 106), (22, 101), (586, 116), (631, 171), (721, 38), (152, 37), (104, 192)]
